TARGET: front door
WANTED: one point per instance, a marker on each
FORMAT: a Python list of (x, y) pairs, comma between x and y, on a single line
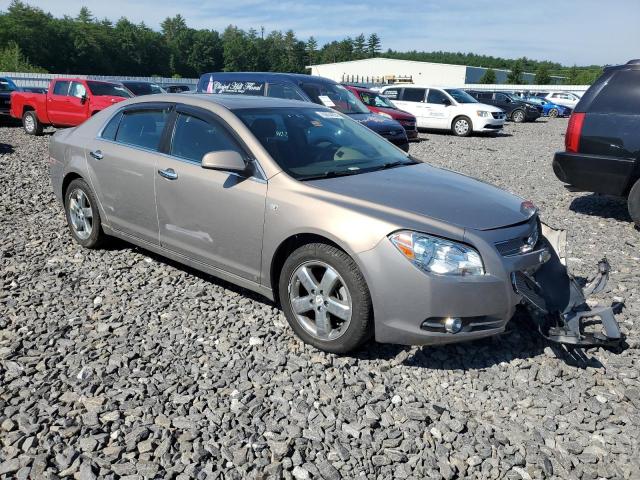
[(58, 103), (439, 108), (123, 164), (213, 217), (78, 107)]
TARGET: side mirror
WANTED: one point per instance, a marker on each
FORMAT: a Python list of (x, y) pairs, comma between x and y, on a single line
[(446, 102), (227, 160), (83, 99)]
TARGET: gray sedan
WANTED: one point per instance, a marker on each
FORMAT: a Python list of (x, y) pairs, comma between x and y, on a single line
[(351, 236)]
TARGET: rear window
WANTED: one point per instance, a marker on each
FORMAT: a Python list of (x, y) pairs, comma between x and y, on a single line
[(413, 94), (143, 128), (392, 93), (234, 87), (109, 131), (61, 88), (620, 94)]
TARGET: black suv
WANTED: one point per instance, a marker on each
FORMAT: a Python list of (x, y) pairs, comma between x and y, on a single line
[(602, 142), (516, 109)]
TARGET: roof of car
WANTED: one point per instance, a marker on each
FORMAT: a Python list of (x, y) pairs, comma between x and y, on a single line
[(228, 101), (267, 76)]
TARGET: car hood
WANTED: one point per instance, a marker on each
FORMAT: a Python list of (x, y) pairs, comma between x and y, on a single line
[(434, 193), (477, 106), (107, 100), (377, 123), (396, 114)]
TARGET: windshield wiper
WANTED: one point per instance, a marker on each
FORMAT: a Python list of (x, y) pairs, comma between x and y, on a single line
[(331, 174), (397, 163)]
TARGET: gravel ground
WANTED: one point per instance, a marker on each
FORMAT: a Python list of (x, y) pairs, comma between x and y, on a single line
[(117, 363)]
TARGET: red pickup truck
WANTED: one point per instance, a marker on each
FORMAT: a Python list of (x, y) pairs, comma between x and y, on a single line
[(67, 103)]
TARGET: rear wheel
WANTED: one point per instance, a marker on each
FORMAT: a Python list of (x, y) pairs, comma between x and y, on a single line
[(518, 116), (553, 113), (325, 298), (83, 216), (462, 126), (633, 203), (31, 123)]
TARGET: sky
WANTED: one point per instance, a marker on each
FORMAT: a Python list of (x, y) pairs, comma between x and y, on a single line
[(581, 32)]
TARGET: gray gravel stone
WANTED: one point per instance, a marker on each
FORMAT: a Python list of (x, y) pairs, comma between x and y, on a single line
[(174, 374)]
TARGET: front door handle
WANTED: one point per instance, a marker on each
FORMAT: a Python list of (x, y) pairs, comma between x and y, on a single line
[(169, 174), (97, 154)]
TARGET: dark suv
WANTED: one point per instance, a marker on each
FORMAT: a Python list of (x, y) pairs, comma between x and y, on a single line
[(516, 109), (602, 143)]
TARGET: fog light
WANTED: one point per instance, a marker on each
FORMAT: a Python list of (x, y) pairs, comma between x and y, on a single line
[(453, 324)]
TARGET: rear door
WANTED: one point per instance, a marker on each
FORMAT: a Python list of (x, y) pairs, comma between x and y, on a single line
[(123, 164), (59, 103), (213, 217), (411, 99)]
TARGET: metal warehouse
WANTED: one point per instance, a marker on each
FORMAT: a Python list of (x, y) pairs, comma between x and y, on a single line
[(389, 70)]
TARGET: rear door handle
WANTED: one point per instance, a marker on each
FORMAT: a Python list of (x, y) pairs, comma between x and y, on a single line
[(169, 174), (97, 154)]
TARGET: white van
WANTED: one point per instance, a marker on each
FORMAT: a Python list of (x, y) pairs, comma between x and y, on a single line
[(445, 109)]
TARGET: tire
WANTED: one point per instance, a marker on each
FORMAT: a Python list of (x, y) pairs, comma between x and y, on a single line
[(315, 265), (553, 113), (518, 116), (83, 216), (31, 124), (458, 128), (633, 202)]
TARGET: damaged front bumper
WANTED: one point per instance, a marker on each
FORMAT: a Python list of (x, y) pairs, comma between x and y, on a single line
[(559, 305)]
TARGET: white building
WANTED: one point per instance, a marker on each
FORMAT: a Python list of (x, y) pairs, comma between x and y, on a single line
[(389, 70)]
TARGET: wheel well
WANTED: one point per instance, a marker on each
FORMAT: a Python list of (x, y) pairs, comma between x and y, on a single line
[(67, 180), (27, 108), (284, 250), (459, 116)]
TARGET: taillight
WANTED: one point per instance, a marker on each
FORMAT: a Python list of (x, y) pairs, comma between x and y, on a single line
[(574, 129)]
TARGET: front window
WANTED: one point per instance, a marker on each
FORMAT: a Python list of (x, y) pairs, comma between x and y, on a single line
[(77, 90), (108, 89), (460, 96), (334, 96), (194, 137), (308, 143), (372, 99), (436, 96), (7, 85)]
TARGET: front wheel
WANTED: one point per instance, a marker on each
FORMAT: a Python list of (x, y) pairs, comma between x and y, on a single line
[(83, 216), (31, 124), (518, 116), (325, 298), (633, 202), (462, 126)]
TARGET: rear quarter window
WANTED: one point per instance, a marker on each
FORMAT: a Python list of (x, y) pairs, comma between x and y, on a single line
[(619, 94)]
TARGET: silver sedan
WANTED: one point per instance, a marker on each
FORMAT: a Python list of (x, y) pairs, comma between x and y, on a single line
[(351, 236)]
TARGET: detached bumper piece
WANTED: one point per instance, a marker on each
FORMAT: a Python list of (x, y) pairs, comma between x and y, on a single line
[(558, 303)]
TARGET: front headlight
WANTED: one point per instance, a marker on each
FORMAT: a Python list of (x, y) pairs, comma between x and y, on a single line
[(483, 113), (382, 114), (437, 255)]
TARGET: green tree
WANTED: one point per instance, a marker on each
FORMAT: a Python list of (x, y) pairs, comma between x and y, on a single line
[(373, 45), (514, 77), (543, 77), (360, 47), (489, 77), (572, 76), (312, 50), (12, 60)]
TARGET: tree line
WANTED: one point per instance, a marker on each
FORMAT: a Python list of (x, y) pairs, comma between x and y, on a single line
[(34, 40)]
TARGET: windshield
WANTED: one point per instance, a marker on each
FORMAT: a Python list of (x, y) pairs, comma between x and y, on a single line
[(460, 96), (376, 100), (7, 85), (143, 88), (310, 143), (334, 96), (108, 89)]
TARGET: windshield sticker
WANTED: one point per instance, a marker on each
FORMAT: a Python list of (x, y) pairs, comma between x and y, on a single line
[(326, 101), (329, 114), (249, 88)]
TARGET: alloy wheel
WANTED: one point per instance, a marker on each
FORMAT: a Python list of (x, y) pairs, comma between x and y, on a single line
[(320, 300), (29, 123), (81, 214), (518, 116)]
